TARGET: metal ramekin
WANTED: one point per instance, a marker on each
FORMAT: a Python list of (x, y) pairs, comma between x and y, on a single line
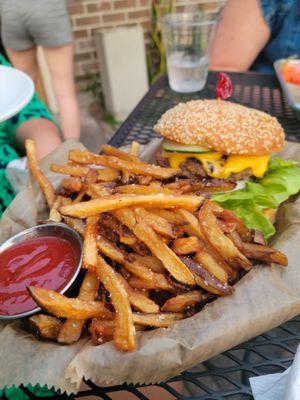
[(48, 229)]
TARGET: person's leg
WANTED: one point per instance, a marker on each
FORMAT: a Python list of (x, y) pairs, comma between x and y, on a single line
[(60, 63), (25, 60)]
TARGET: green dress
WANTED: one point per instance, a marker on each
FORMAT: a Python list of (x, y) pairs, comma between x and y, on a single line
[(35, 109)]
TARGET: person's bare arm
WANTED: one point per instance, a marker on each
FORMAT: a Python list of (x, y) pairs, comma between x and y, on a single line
[(44, 132), (241, 35)]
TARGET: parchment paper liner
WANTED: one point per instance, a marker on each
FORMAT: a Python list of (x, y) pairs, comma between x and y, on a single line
[(264, 298)]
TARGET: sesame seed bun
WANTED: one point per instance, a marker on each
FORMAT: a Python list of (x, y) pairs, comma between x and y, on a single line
[(222, 126)]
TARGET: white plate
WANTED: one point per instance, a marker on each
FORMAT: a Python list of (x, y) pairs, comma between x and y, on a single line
[(16, 90)]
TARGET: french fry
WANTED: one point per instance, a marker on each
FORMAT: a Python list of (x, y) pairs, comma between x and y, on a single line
[(196, 185), (113, 151), (187, 245), (73, 164), (229, 217), (98, 190), (45, 326), (86, 157), (126, 236), (141, 303), (126, 217), (156, 184), (102, 331), (71, 330), (154, 280), (124, 328), (151, 284), (212, 185), (219, 240), (43, 181), (65, 200), (237, 240), (218, 210), (73, 170), (134, 149), (90, 252), (258, 252), (91, 176), (64, 307), (226, 227), (192, 226), (54, 214), (141, 270), (265, 254), (76, 224), (179, 185), (181, 302), (169, 259), (72, 184), (207, 261), (231, 272), (151, 262), (142, 189), (144, 180), (172, 216), (108, 175), (146, 234), (205, 280), (111, 251), (114, 202), (160, 320), (138, 299), (157, 223)]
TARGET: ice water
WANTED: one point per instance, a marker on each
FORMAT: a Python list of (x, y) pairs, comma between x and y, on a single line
[(187, 73)]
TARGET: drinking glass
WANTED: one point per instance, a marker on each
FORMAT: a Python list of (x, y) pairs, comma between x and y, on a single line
[(187, 38)]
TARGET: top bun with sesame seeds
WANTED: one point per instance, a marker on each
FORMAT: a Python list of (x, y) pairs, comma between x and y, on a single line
[(223, 127)]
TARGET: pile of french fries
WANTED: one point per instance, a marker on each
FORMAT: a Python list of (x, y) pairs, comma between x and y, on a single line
[(154, 250)]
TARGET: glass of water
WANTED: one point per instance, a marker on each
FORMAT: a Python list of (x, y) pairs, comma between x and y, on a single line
[(187, 39)]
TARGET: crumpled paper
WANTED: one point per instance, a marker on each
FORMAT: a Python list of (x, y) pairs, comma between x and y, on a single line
[(280, 386), (17, 173), (266, 297)]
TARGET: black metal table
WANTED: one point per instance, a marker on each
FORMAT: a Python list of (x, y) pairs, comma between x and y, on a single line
[(227, 375)]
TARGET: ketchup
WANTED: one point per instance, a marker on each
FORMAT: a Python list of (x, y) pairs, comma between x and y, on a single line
[(46, 261), (224, 86)]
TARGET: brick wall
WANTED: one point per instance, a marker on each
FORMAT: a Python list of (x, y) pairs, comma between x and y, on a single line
[(90, 15)]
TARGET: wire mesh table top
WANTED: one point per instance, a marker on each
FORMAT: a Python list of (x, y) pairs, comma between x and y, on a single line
[(225, 376)]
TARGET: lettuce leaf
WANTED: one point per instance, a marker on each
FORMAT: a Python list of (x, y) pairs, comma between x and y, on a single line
[(281, 181)]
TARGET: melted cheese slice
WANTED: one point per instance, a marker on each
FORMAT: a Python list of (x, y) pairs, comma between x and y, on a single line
[(233, 164)]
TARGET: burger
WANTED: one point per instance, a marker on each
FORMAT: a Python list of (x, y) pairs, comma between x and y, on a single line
[(219, 140), (219, 146)]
